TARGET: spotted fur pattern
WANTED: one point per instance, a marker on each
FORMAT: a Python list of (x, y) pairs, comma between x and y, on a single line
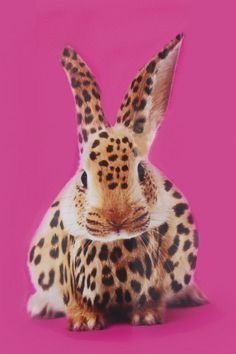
[(120, 238)]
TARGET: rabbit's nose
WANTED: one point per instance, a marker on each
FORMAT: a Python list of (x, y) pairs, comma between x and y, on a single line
[(114, 219), (112, 215), (116, 225)]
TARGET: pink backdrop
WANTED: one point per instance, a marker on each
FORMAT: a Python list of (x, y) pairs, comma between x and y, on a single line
[(196, 148)]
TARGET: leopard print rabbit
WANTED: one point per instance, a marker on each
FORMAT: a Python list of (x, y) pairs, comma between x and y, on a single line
[(120, 238)]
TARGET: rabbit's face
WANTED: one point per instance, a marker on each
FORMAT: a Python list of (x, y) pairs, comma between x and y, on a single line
[(117, 193), (119, 190)]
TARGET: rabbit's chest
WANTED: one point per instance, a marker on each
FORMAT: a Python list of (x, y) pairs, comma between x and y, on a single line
[(123, 272)]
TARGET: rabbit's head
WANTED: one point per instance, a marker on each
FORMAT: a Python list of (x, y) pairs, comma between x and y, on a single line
[(115, 194)]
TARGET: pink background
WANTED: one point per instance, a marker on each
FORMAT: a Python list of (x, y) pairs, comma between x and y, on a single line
[(195, 147)]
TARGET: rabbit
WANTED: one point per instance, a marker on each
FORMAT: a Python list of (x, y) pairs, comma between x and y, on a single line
[(120, 240)]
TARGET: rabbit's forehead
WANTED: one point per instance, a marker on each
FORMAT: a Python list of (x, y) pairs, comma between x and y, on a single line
[(111, 157), (112, 145)]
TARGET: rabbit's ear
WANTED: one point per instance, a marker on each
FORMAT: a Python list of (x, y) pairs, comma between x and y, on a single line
[(146, 100), (90, 117)]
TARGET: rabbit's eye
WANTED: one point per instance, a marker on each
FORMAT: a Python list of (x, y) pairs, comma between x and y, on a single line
[(84, 179), (141, 172)]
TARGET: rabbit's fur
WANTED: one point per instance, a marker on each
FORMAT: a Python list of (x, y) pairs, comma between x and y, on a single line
[(120, 238)]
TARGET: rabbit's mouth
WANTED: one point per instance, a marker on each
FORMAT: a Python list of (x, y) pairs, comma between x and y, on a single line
[(113, 230), (117, 223)]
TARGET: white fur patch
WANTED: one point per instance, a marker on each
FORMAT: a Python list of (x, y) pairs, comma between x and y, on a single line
[(68, 209), (51, 300), (160, 212)]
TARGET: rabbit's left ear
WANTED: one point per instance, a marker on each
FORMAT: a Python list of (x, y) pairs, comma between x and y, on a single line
[(146, 100)]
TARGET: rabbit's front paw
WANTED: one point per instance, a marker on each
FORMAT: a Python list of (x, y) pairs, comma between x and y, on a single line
[(85, 320), (149, 316)]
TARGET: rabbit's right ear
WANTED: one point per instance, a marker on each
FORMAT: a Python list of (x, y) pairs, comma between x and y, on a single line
[(90, 117), (146, 100)]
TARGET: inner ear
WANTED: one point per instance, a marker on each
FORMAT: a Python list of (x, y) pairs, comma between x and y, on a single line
[(146, 100)]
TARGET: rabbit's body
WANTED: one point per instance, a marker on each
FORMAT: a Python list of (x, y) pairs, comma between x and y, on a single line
[(114, 242)]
